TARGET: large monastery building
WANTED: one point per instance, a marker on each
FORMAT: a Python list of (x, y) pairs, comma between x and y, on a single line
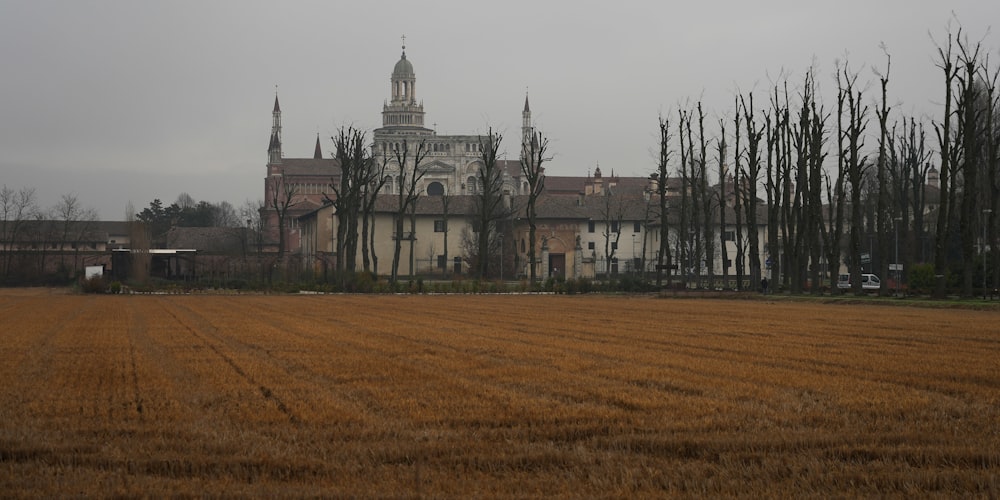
[(577, 234)]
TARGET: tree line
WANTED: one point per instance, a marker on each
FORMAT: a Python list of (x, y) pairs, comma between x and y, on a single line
[(846, 182)]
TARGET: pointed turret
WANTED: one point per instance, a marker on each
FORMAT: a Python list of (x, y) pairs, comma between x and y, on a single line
[(274, 147), (527, 131), (318, 153)]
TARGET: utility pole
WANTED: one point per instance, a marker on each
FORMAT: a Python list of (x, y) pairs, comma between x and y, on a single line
[(982, 248)]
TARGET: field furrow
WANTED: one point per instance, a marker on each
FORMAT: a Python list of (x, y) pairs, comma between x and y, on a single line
[(493, 396)]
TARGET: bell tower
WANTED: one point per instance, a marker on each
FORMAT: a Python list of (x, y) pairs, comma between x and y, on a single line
[(403, 110)]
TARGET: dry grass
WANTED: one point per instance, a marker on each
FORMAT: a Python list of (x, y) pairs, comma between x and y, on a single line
[(483, 396)]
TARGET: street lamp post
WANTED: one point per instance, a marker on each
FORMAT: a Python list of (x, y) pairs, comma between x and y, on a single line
[(635, 268), (982, 248), (898, 268), (501, 256)]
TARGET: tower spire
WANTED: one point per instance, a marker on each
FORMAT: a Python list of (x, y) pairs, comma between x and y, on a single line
[(274, 147), (318, 153), (527, 131)]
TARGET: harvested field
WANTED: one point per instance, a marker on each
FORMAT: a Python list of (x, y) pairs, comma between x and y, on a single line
[(493, 396)]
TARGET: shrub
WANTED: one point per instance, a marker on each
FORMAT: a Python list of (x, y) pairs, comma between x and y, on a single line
[(921, 278), (94, 284), (115, 288)]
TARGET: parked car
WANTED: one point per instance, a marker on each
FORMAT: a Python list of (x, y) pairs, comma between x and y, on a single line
[(868, 282)]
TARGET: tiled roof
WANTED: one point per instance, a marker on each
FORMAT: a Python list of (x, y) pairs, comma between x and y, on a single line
[(81, 231), (322, 167), (212, 240), (429, 205)]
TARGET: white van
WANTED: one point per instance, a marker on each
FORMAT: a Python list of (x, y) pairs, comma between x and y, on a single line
[(868, 282)]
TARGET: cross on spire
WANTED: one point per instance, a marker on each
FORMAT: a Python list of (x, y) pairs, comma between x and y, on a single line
[(404, 41)]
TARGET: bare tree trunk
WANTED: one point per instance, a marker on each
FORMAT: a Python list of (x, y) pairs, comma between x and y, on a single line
[(944, 141), (663, 261), (723, 254), (883, 216), (748, 187)]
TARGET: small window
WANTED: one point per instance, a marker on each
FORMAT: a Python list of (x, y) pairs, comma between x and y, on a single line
[(442, 263), (730, 235), (614, 245), (637, 227), (590, 245), (440, 226), (590, 226), (614, 226)]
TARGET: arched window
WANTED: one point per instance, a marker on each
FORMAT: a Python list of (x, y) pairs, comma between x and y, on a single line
[(435, 189), (388, 184), (470, 184)]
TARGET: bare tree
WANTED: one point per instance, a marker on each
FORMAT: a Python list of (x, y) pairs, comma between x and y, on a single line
[(747, 187), (185, 201), (16, 208), (705, 195), (883, 214), (74, 223), (225, 215), (773, 184), (738, 201), (992, 164), (445, 213), (943, 131), (250, 214), (281, 197), (532, 169), (369, 196), (684, 249), (612, 214), (488, 204), (835, 193), (663, 260), (409, 178), (358, 170), (721, 149), (909, 177), (816, 141), (855, 167), (970, 113)]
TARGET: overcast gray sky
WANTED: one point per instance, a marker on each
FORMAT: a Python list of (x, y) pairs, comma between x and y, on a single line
[(136, 100)]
